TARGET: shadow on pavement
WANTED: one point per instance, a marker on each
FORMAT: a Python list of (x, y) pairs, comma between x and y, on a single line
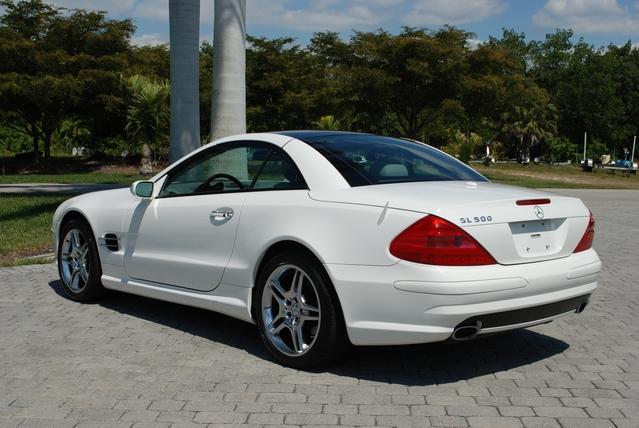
[(414, 365)]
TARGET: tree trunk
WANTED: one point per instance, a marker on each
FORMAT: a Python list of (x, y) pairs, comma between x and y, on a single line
[(47, 146), (35, 134), (184, 21), (228, 100), (146, 166)]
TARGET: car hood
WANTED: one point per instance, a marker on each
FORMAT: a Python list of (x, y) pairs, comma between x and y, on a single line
[(103, 196)]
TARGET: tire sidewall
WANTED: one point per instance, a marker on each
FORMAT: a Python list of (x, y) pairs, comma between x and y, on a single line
[(93, 287), (323, 349)]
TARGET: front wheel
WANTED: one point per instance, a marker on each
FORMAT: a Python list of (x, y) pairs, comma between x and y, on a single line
[(296, 313), (79, 262)]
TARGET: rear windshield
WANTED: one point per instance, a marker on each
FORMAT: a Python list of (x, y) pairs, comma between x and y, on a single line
[(370, 159)]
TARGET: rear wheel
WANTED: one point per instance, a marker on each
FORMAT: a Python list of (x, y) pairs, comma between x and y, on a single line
[(79, 262), (297, 315)]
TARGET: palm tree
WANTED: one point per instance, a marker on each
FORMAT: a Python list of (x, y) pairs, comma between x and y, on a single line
[(530, 126), (148, 116), (328, 123), (184, 21), (228, 99)]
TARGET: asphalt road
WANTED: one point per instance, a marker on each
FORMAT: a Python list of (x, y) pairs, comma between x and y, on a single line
[(130, 361)]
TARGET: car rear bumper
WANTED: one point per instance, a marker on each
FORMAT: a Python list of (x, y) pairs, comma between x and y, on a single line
[(410, 303)]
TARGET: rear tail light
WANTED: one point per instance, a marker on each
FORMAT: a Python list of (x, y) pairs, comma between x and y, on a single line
[(435, 241), (589, 236)]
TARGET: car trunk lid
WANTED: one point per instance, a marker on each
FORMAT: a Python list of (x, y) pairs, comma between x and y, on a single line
[(489, 212)]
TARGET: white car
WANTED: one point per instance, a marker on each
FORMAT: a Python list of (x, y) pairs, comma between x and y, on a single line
[(325, 239)]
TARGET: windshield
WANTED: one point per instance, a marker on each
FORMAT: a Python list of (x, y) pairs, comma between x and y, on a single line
[(365, 159)]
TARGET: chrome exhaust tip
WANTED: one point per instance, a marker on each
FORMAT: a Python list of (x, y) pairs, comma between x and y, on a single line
[(581, 307), (467, 332)]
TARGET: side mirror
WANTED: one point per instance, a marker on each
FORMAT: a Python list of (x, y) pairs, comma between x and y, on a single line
[(143, 189)]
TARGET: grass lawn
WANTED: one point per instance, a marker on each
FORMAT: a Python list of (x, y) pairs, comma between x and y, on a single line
[(70, 170), (82, 178), (25, 226), (546, 176)]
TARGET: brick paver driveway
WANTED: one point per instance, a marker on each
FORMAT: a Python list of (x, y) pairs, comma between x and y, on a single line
[(130, 361)]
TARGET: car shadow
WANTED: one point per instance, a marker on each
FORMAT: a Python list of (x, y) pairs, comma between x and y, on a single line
[(414, 365), (441, 363)]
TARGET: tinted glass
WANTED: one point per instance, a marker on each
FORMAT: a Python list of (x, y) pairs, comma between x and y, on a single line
[(278, 173), (250, 166), (371, 159), (217, 171)]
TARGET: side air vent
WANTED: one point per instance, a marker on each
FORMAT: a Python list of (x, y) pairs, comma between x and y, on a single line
[(111, 242)]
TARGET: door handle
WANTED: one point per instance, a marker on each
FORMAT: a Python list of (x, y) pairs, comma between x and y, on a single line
[(221, 214)]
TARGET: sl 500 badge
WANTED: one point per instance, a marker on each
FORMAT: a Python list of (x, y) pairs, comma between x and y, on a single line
[(480, 219)]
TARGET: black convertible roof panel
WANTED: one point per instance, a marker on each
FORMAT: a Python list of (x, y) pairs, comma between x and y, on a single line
[(303, 134)]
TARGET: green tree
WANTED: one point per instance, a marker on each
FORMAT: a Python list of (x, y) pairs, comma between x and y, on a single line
[(55, 65), (401, 84), (278, 77), (148, 114), (551, 59), (72, 132), (530, 126), (327, 122), (590, 97), (516, 46), (462, 145)]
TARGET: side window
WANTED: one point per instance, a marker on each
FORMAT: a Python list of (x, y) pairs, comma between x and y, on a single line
[(249, 166), (278, 173), (230, 170)]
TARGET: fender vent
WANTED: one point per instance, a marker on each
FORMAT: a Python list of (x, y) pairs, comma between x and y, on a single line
[(111, 242)]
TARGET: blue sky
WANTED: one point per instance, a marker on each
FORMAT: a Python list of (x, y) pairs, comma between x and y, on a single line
[(599, 22)]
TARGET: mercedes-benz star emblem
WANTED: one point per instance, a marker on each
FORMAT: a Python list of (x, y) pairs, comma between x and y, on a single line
[(539, 212)]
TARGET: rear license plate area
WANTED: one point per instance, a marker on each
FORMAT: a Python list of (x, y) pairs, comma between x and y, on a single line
[(536, 238)]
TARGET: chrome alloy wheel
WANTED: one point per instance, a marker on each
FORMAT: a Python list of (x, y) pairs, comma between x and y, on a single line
[(291, 310), (74, 260)]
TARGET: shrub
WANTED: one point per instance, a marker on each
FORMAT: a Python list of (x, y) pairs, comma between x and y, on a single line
[(560, 149)]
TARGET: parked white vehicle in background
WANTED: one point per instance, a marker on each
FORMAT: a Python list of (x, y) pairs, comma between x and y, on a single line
[(325, 238)]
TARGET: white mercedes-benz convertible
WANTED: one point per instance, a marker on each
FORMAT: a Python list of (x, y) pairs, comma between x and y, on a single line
[(328, 238)]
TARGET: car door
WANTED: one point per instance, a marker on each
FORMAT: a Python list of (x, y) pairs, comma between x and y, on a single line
[(184, 237)]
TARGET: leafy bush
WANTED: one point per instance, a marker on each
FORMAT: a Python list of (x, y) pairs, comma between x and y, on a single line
[(114, 148), (462, 146), (72, 133), (595, 149), (13, 141), (560, 149), (498, 151)]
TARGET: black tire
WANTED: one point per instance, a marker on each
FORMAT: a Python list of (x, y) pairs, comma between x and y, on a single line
[(330, 341), (92, 288)]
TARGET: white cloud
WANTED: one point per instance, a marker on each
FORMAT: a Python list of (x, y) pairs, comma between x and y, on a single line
[(589, 16), (159, 10), (473, 43), (153, 39), (152, 9), (322, 15), (454, 12)]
